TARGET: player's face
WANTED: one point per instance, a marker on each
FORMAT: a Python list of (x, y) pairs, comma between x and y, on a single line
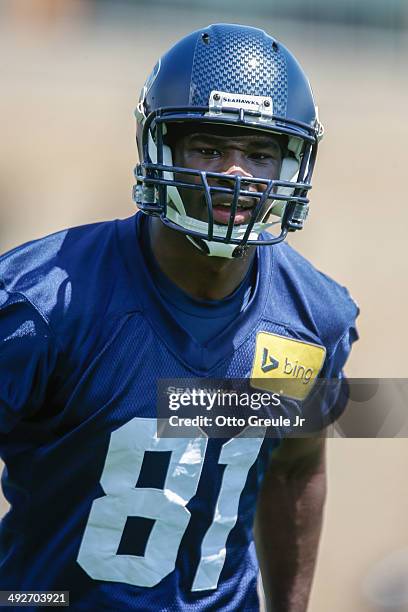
[(231, 151)]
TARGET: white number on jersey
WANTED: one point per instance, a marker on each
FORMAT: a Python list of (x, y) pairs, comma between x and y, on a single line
[(167, 507)]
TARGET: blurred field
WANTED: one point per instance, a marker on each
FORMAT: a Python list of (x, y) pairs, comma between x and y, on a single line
[(67, 154)]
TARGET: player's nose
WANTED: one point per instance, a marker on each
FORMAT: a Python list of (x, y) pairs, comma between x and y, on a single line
[(236, 164), (238, 170), (233, 170)]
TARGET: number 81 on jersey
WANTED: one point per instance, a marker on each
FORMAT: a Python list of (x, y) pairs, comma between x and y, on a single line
[(167, 506)]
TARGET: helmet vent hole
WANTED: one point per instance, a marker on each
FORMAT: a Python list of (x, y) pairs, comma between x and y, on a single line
[(205, 38), (275, 46)]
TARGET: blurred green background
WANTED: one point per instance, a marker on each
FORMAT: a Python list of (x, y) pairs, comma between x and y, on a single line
[(71, 72)]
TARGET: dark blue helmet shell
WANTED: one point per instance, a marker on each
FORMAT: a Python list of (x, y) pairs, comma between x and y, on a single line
[(236, 59)]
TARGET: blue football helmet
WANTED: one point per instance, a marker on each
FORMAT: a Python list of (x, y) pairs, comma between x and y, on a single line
[(230, 75)]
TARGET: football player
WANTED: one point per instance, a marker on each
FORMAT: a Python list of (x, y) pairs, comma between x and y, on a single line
[(194, 286)]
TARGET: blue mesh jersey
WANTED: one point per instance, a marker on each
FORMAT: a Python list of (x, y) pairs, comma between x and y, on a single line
[(101, 506)]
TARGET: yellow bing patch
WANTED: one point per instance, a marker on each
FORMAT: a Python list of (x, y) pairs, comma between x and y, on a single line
[(286, 366)]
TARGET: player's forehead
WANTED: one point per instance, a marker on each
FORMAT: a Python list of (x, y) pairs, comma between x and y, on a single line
[(223, 134)]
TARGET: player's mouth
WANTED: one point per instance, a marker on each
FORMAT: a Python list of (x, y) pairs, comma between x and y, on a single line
[(243, 213)]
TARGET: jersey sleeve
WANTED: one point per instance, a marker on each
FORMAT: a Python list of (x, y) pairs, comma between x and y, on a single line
[(334, 387), (330, 395), (27, 358)]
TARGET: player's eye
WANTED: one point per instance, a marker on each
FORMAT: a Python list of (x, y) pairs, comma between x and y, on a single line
[(262, 156), (208, 152)]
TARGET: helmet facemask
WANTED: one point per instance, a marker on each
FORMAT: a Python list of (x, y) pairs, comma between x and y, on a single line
[(158, 192)]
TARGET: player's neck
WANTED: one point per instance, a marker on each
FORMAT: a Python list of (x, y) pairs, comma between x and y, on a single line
[(203, 277)]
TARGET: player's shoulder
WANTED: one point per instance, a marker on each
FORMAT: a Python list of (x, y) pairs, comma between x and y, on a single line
[(36, 260), (45, 271), (316, 284), (311, 296)]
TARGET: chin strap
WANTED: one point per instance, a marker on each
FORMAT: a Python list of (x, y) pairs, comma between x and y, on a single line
[(213, 249)]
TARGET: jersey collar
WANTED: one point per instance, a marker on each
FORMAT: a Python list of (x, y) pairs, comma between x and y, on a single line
[(201, 359)]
